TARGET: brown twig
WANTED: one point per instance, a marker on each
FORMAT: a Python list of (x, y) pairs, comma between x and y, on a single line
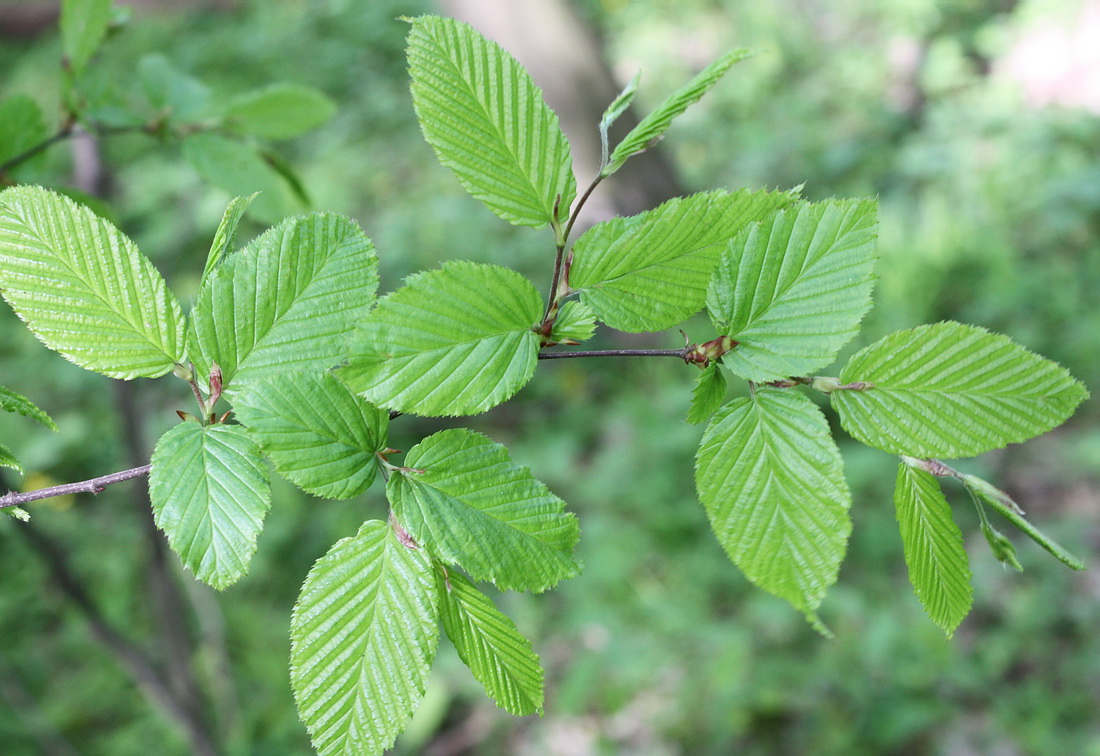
[(92, 486)]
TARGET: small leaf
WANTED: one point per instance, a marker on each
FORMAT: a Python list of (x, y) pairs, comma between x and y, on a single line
[(280, 111), (654, 125), (7, 459), (489, 643), (938, 567), (452, 341), (226, 233), (617, 107), (474, 507), (772, 481), (952, 390), (84, 289), (650, 271), (238, 169), (286, 302), (1007, 508), (575, 323), (83, 26), (210, 493), (363, 636), (487, 121), (17, 512), (1002, 548), (708, 394), (177, 97), (21, 405), (792, 288), (319, 435), (22, 127)]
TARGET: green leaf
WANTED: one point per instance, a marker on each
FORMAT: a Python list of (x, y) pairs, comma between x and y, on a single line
[(938, 567), (453, 341), (792, 288), (492, 647), (1010, 510), (1002, 548), (474, 507), (653, 126), (708, 395), (772, 481), (175, 95), (617, 107), (17, 512), (650, 271), (363, 636), (238, 169), (83, 26), (7, 459), (319, 435), (21, 405), (83, 288), (575, 323), (21, 128), (280, 111), (952, 390), (226, 233), (487, 121), (287, 301), (210, 493)]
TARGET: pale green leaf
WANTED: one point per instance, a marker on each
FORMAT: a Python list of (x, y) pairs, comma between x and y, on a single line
[(772, 481), (17, 512), (22, 127), (363, 636), (452, 341), (280, 111), (708, 394), (83, 26), (7, 459), (226, 233), (287, 301), (653, 126), (489, 643), (210, 493), (575, 323), (238, 169), (84, 289), (474, 507), (792, 288), (952, 390), (1003, 549), (178, 97), (487, 121), (650, 271), (617, 107), (316, 432), (938, 567), (21, 405)]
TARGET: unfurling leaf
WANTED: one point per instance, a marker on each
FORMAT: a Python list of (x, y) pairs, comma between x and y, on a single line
[(708, 395), (575, 323)]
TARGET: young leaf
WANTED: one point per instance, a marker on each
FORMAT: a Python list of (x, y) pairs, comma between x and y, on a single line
[(617, 107), (453, 341), (287, 301), (22, 127), (575, 323), (654, 125), (17, 512), (708, 395), (238, 169), (938, 567), (1010, 510), (952, 390), (210, 493), (1002, 548), (319, 435), (363, 636), (490, 644), (21, 405), (7, 459), (226, 233), (83, 26), (280, 111), (772, 481), (474, 507), (84, 289), (650, 271), (792, 288), (487, 121)]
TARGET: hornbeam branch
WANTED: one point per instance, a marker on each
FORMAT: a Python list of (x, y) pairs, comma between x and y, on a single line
[(93, 486)]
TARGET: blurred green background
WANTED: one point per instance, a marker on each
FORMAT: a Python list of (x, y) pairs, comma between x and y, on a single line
[(976, 124)]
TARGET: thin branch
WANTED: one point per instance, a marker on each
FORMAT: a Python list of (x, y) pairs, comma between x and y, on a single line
[(615, 353), (93, 486), (580, 204), (66, 132)]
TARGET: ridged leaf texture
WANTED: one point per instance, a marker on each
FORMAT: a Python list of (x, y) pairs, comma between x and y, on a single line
[(708, 395), (576, 322), (938, 566), (489, 643), (654, 125), (772, 481), (650, 271), (226, 233), (793, 287), (318, 434), (21, 405), (952, 390), (363, 636), (452, 341), (7, 459), (617, 107), (210, 493), (84, 289), (487, 121), (472, 506), (287, 301)]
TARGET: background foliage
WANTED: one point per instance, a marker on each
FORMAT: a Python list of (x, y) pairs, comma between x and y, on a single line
[(989, 213)]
